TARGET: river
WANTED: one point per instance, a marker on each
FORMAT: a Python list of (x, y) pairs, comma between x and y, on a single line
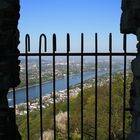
[(47, 88)]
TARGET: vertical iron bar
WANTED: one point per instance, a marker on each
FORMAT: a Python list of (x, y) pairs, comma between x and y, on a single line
[(68, 110), (14, 98), (40, 81), (124, 95), (96, 82), (54, 95), (110, 84), (27, 47), (40, 93), (82, 50), (14, 103)]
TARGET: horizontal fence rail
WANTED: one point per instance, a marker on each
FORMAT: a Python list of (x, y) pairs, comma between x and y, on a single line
[(43, 52)]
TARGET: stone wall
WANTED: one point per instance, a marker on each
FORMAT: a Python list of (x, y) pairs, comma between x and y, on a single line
[(9, 40)]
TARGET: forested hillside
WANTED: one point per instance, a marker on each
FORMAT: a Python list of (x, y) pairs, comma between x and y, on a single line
[(89, 115)]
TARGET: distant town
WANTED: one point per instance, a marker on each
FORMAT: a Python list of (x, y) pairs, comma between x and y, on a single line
[(61, 72), (61, 68)]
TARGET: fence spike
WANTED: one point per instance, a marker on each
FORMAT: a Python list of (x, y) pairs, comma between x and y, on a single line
[(96, 42), (54, 42), (82, 42), (124, 42), (110, 42), (27, 43), (68, 42), (40, 42)]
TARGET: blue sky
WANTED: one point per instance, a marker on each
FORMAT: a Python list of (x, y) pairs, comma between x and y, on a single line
[(74, 17)]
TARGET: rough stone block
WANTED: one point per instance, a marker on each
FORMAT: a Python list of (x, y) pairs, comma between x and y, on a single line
[(134, 136), (8, 128)]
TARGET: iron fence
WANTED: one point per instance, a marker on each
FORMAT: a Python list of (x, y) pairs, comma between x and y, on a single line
[(68, 54)]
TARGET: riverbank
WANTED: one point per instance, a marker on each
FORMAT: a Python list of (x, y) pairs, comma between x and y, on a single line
[(47, 87), (61, 96), (34, 85)]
